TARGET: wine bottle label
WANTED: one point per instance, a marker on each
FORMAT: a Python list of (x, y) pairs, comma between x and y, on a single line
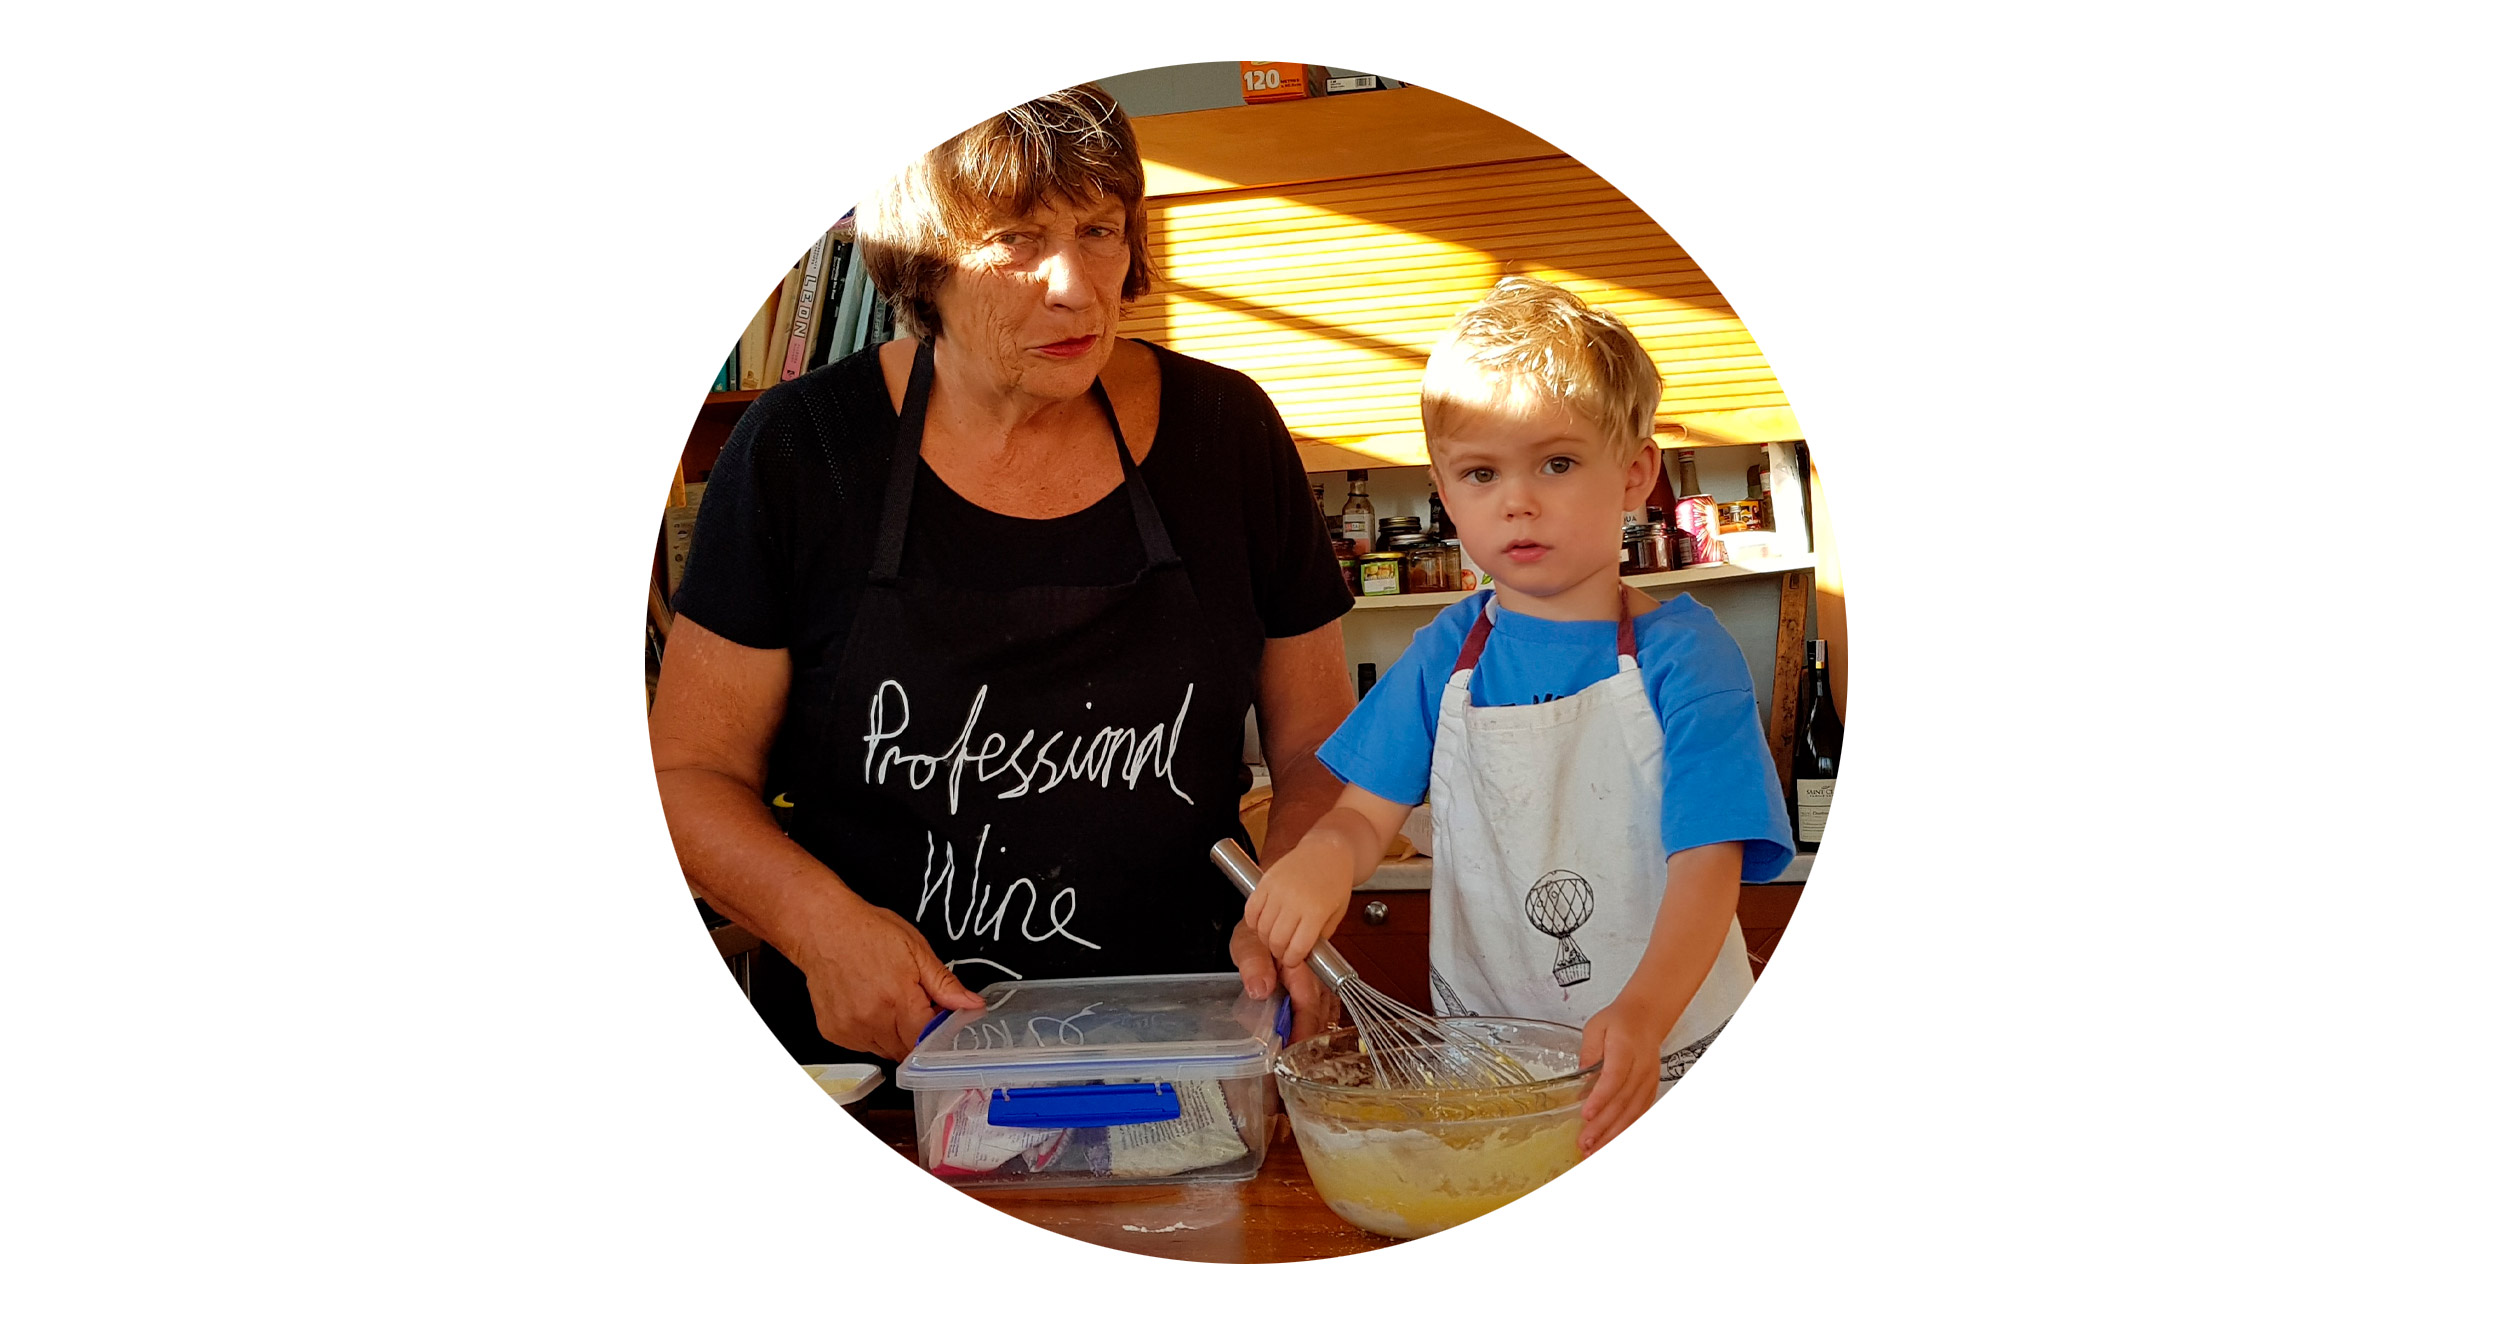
[(1813, 796)]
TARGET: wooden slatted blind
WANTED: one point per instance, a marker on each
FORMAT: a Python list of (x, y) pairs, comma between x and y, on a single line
[(1330, 294)]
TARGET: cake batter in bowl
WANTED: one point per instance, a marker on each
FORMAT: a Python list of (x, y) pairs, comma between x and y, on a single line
[(1404, 1163)]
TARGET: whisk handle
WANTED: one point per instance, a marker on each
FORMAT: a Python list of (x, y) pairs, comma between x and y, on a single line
[(1241, 868)]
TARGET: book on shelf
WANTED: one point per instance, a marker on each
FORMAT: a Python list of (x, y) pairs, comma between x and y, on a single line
[(754, 350), (679, 535), (661, 612), (836, 267), (783, 314), (801, 326), (822, 310), (848, 322), (884, 325)]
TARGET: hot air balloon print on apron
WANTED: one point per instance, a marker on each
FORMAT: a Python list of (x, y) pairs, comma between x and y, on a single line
[(1557, 904)]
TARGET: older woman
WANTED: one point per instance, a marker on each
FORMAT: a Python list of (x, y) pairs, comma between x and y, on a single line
[(958, 685)]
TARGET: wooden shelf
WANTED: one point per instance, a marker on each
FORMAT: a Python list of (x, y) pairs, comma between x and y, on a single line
[(730, 398), (1695, 575)]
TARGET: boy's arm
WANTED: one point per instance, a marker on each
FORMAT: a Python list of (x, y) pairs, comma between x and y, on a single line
[(1702, 893), (1306, 891)]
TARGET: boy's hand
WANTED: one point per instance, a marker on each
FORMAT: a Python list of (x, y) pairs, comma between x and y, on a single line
[(1626, 1041), (1701, 898), (1305, 893), (1301, 899)]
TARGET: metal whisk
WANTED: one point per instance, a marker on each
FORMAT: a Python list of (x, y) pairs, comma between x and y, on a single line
[(1406, 1048)]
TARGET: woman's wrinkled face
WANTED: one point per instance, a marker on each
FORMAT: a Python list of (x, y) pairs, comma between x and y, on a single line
[(1032, 308)]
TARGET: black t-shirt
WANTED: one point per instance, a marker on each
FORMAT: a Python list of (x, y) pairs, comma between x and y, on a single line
[(787, 526)]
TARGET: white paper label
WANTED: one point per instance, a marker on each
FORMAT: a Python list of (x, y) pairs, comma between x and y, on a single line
[(1813, 796)]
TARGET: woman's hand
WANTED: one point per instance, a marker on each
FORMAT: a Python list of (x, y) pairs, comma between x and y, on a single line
[(1313, 1008), (875, 982), (1627, 1040)]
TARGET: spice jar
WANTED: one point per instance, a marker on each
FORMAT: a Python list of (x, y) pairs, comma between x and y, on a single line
[(1347, 557), (1427, 565), (1381, 573), (1641, 551), (1420, 566)]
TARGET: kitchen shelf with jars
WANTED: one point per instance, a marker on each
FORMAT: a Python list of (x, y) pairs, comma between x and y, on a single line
[(1695, 575), (1728, 523)]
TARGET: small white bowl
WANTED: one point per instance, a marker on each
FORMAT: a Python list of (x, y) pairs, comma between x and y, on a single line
[(848, 1085)]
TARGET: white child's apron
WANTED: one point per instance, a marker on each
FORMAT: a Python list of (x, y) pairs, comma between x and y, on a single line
[(1549, 865)]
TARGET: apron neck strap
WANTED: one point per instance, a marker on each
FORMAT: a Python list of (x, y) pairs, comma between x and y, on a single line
[(1157, 549), (893, 531), (1476, 639)]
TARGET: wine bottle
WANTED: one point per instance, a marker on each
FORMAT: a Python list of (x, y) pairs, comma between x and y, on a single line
[(1815, 748), (1359, 516)]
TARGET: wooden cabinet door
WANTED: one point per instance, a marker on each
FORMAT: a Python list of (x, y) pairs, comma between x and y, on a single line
[(1764, 911), (1385, 938)]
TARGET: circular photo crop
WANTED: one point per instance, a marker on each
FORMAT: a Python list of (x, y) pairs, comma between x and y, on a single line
[(1245, 662)]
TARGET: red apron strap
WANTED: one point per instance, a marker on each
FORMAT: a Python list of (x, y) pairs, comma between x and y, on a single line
[(1478, 637), (1474, 640)]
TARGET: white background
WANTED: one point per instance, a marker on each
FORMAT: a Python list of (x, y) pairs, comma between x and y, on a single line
[(350, 974)]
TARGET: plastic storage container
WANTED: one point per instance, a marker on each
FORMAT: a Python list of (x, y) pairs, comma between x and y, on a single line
[(1114, 1080)]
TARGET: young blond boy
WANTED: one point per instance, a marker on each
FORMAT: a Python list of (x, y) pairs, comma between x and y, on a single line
[(1593, 760)]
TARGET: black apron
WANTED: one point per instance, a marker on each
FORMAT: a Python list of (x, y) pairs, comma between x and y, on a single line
[(1033, 777)]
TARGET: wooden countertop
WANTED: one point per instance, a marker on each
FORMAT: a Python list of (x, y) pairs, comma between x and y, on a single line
[(1274, 1217)]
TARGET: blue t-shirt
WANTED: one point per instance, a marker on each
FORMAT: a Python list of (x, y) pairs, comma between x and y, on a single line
[(1719, 783)]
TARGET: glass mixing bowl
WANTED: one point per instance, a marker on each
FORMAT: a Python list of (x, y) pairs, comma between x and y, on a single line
[(1404, 1163)]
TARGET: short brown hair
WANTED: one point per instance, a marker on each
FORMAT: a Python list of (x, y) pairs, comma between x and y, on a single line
[(1075, 145), (1529, 335)]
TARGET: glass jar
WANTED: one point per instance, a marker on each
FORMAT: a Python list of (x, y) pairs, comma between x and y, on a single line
[(1347, 557), (1381, 573), (1641, 551), (1420, 566)]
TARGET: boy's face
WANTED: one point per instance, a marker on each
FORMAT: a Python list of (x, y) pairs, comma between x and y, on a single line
[(1537, 499)]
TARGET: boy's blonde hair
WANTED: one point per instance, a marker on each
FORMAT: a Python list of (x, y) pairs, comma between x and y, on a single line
[(1528, 342)]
